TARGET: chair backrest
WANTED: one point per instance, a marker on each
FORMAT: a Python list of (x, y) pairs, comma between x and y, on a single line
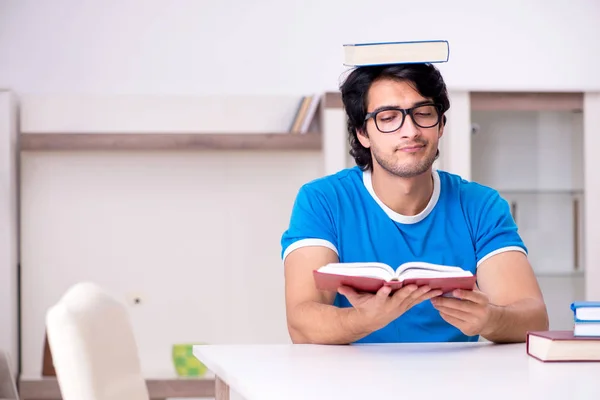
[(8, 385), (93, 347)]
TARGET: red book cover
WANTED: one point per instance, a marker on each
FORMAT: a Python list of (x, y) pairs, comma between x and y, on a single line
[(563, 346), (331, 282)]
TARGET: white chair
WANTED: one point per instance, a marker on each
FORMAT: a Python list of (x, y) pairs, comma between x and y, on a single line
[(93, 347)]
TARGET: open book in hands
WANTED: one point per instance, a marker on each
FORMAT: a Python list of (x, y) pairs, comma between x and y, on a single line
[(371, 276)]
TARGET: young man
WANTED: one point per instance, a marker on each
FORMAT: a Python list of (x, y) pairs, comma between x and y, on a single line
[(393, 208)]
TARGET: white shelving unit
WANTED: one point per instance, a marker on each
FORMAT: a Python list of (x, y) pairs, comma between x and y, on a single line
[(535, 160), (530, 147), (104, 179)]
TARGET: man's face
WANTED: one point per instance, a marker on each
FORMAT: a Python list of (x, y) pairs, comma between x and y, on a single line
[(410, 150)]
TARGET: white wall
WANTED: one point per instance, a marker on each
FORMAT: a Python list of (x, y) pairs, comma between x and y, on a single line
[(9, 256), (535, 160), (289, 47)]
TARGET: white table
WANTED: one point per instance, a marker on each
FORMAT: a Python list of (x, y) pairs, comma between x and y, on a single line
[(439, 371)]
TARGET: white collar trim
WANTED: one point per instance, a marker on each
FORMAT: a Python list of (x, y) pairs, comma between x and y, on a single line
[(405, 219)]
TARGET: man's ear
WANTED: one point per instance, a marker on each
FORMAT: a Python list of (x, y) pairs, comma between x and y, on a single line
[(441, 128), (363, 138)]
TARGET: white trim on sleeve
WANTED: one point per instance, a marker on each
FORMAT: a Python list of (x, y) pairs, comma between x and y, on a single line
[(501, 250), (307, 243)]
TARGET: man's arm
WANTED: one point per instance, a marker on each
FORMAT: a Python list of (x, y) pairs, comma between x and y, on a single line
[(507, 305), (310, 314), (517, 302), (508, 302)]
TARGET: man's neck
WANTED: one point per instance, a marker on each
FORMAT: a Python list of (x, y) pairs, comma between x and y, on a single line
[(406, 196)]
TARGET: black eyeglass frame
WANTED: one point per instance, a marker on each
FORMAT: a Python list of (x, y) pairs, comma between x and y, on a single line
[(404, 112)]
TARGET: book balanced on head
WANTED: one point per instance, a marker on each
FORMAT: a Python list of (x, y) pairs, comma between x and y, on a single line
[(406, 52), (371, 276)]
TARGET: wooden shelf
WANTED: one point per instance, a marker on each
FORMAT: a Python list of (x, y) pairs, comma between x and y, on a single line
[(168, 141), (47, 388)]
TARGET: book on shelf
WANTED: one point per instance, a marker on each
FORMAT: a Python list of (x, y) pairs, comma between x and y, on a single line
[(305, 114), (371, 276), (407, 52), (311, 113), (562, 345)]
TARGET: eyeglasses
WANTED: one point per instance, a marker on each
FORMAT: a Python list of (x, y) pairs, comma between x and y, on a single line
[(390, 119)]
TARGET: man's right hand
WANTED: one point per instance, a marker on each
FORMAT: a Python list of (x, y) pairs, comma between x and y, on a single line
[(375, 311)]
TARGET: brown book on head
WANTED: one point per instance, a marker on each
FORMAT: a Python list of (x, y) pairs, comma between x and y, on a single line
[(562, 346), (47, 363)]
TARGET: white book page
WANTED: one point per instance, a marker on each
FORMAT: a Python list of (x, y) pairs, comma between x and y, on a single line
[(368, 269), (427, 273), (587, 329), (426, 270), (588, 313)]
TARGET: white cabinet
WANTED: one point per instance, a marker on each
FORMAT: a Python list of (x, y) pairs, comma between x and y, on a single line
[(534, 158), (528, 146)]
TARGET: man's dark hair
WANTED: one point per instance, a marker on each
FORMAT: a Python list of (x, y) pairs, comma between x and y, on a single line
[(427, 80)]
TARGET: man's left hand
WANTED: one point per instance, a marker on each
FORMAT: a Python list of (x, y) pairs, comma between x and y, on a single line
[(470, 311)]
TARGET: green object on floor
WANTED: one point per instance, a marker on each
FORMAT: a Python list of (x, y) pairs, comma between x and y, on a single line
[(186, 365)]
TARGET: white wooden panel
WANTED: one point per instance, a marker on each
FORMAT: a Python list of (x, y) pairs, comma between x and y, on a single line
[(335, 140), (9, 258), (196, 235), (457, 136), (591, 129)]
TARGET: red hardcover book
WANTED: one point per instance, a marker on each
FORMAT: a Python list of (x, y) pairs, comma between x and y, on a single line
[(554, 346), (371, 276)]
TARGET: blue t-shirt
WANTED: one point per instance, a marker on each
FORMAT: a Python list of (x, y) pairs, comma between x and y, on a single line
[(463, 224)]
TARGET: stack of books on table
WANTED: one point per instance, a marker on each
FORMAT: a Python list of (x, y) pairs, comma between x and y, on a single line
[(582, 343)]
